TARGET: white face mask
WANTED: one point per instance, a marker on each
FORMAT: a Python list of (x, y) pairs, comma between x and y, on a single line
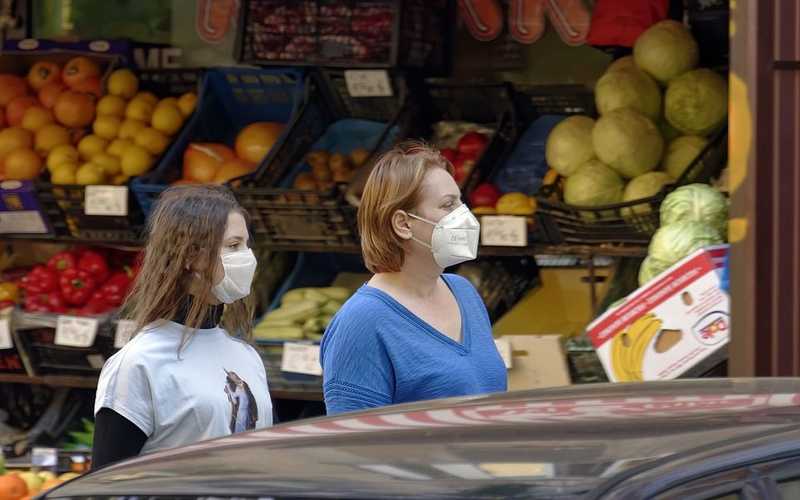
[(455, 237), (240, 268)]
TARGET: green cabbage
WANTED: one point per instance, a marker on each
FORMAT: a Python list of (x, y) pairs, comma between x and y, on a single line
[(696, 103), (594, 184), (666, 50), (644, 186), (628, 142), (673, 242), (628, 88), (569, 144), (680, 153), (696, 203), (651, 267), (622, 63)]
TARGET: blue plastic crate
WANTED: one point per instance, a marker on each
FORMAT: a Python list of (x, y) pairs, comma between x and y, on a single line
[(230, 99)]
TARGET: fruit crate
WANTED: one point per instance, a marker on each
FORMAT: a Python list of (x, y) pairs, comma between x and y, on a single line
[(347, 33), (283, 212), (66, 203), (230, 99), (628, 223), (536, 100)]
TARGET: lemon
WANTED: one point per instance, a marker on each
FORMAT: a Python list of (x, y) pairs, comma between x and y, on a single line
[(139, 109), (131, 128), (106, 126), (90, 146), (50, 136), (147, 96), (90, 174), (64, 173), (168, 101), (123, 83), (62, 154), (111, 105), (118, 147), (152, 140), (110, 164), (136, 161), (167, 119), (36, 117), (119, 180), (187, 102)]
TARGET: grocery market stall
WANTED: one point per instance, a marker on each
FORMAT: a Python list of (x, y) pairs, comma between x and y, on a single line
[(594, 151)]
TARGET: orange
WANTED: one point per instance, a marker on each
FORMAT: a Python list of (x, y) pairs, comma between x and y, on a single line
[(187, 103), (201, 161), (12, 487), (43, 73), (152, 140), (147, 96), (90, 146), (130, 129), (232, 169), (254, 141), (36, 117), (111, 105), (79, 69), (171, 101), (50, 136), (16, 109), (11, 87), (123, 83), (22, 165), (91, 86), (74, 109), (14, 138), (106, 127), (49, 94), (50, 484)]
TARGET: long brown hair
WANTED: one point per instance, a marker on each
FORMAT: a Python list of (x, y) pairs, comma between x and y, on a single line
[(184, 231)]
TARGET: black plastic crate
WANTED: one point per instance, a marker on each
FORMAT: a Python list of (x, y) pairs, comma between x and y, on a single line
[(627, 223), (347, 33), (47, 358), (535, 100)]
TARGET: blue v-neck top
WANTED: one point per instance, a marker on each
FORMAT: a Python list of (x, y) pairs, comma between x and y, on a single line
[(376, 352)]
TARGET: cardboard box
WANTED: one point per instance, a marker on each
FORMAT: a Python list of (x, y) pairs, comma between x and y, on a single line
[(676, 325), (537, 361)]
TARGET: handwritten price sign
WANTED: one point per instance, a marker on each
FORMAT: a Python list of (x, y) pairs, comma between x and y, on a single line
[(72, 331), (504, 231), (106, 200), (368, 83), (301, 358)]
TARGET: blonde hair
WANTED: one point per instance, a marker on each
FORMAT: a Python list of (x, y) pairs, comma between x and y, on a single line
[(394, 184), (186, 227)]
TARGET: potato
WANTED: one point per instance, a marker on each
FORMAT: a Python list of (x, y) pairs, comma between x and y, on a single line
[(359, 156), (338, 163), (317, 158), (321, 172), (305, 182), (343, 177)]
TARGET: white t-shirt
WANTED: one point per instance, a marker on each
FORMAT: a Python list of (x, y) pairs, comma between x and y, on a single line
[(217, 386)]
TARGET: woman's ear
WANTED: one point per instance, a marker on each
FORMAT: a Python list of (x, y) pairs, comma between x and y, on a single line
[(401, 225)]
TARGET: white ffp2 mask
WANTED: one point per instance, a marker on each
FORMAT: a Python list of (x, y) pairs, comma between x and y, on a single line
[(455, 237), (240, 268)]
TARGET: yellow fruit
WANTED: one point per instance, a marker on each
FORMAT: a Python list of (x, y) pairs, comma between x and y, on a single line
[(136, 161), (60, 155), (63, 173), (91, 146), (106, 127), (147, 96), (36, 117), (167, 119), (187, 103), (50, 136), (123, 83), (139, 109), (168, 101), (111, 105), (110, 164), (118, 147), (120, 179), (14, 138), (90, 174), (22, 165), (130, 129), (152, 140)]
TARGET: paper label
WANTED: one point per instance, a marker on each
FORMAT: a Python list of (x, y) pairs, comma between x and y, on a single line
[(301, 358), (6, 342), (72, 331), (106, 200), (44, 457), (23, 222), (96, 361), (504, 231), (504, 348), (125, 330), (368, 83)]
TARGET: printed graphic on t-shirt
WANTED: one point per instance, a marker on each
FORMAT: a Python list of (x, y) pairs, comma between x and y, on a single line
[(244, 410)]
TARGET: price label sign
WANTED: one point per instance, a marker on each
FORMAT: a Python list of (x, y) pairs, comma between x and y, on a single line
[(24, 221), (6, 342), (504, 231), (301, 358), (106, 200), (72, 331), (368, 83), (505, 350), (125, 330), (44, 457)]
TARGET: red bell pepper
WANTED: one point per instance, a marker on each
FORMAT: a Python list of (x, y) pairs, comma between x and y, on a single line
[(116, 289), (40, 280), (95, 264), (62, 261), (77, 286), (50, 302), (96, 305)]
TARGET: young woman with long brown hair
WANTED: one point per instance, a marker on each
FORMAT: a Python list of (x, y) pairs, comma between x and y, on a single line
[(185, 376)]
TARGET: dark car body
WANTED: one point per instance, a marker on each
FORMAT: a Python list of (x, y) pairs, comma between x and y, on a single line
[(704, 439)]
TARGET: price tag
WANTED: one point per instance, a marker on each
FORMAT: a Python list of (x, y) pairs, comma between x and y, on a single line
[(504, 231), (301, 358), (6, 342), (106, 200), (44, 457), (96, 361), (504, 348), (125, 330), (72, 331), (368, 83), (23, 221)]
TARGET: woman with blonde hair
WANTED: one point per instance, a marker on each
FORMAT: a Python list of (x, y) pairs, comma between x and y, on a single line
[(412, 333), (189, 373)]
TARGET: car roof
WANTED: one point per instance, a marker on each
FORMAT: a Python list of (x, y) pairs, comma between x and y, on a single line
[(552, 443)]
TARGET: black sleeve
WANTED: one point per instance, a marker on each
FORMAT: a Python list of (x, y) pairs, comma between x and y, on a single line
[(115, 438)]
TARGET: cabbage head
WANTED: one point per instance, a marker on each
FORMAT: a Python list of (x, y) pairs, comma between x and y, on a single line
[(569, 145), (673, 242), (696, 203)]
